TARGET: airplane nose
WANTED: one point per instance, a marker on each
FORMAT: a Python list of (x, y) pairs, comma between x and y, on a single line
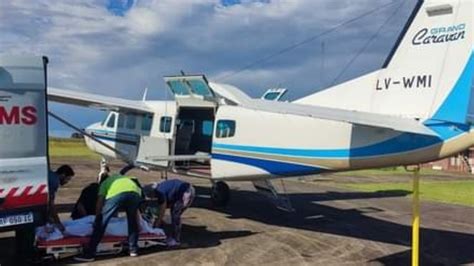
[(90, 131), (91, 128)]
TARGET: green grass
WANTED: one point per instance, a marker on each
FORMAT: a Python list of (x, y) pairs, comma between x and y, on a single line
[(67, 148), (399, 171), (455, 192)]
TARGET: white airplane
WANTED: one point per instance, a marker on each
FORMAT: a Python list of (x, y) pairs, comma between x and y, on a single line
[(413, 110)]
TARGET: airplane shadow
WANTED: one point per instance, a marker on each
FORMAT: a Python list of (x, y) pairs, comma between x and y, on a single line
[(193, 237), (437, 247)]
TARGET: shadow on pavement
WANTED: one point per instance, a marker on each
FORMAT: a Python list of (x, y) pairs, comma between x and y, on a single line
[(438, 247), (193, 237)]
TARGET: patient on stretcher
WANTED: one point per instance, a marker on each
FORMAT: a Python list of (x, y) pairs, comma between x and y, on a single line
[(84, 226)]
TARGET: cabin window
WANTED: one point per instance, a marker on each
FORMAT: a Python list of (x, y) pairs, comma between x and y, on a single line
[(271, 96), (225, 128), (146, 122), (111, 122), (131, 122), (207, 127), (165, 124), (121, 121)]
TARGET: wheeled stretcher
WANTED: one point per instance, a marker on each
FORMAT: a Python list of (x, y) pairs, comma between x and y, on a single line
[(70, 246)]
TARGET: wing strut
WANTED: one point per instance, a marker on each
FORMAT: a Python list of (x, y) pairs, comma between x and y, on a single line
[(121, 154)]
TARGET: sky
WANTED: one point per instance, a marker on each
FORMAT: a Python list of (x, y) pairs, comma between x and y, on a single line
[(119, 47)]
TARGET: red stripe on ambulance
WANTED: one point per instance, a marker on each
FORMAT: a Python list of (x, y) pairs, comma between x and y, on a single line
[(24, 197)]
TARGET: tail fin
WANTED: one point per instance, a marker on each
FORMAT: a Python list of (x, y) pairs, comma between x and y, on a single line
[(429, 73)]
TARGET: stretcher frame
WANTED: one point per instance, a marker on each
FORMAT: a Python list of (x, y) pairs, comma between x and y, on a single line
[(109, 245)]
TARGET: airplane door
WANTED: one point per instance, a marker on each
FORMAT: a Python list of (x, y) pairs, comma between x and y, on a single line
[(154, 149), (191, 91)]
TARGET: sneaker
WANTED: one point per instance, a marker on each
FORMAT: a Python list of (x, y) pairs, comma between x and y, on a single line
[(171, 242), (84, 258), (133, 254)]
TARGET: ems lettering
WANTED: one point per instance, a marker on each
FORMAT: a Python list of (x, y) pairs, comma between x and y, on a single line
[(407, 82), (17, 115)]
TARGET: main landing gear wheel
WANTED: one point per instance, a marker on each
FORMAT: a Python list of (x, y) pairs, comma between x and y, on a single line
[(220, 194)]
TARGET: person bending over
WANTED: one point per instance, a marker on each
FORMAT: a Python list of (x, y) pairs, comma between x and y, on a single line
[(87, 202), (176, 195), (116, 192)]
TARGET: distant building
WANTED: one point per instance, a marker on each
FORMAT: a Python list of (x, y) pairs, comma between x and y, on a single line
[(459, 163)]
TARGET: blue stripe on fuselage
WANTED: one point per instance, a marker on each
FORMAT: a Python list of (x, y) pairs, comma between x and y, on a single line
[(404, 142), (273, 167), (114, 137)]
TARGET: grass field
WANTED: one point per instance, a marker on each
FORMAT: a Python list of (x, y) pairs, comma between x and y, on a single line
[(456, 192), (399, 171), (70, 148)]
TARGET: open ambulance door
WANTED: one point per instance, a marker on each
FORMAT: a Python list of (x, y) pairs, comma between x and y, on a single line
[(24, 142)]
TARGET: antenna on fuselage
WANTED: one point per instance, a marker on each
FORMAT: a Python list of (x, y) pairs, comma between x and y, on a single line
[(145, 93)]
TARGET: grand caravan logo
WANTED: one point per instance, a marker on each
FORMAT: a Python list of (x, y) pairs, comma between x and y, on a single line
[(440, 35)]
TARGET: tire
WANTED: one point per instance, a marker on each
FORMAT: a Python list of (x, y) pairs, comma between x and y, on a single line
[(220, 194)]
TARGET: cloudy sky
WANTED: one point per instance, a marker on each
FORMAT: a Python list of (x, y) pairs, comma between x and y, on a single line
[(119, 47)]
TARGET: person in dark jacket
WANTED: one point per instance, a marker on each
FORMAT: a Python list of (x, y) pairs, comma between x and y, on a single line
[(86, 204), (57, 178)]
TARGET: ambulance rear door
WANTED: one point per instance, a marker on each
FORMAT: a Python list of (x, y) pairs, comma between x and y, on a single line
[(23, 141)]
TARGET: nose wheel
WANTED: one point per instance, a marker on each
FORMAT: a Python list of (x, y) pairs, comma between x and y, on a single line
[(220, 194)]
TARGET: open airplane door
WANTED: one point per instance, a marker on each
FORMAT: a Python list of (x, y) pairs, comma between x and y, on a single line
[(154, 151), (196, 105), (192, 91)]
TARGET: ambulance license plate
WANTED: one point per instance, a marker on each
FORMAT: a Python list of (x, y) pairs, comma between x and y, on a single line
[(23, 218)]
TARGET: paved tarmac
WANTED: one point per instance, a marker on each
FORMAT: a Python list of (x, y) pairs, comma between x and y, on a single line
[(331, 226)]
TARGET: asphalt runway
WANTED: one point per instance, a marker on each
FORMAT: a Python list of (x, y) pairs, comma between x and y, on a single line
[(331, 226)]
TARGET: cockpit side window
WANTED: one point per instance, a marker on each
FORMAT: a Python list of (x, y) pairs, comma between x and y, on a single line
[(131, 122), (147, 122), (121, 120), (111, 121)]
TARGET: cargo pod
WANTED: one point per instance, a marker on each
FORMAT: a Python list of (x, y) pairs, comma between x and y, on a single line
[(195, 113)]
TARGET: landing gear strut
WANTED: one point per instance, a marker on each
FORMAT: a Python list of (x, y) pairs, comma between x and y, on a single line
[(220, 194)]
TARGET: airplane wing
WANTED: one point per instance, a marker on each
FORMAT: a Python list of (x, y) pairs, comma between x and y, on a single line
[(354, 117), (97, 101)]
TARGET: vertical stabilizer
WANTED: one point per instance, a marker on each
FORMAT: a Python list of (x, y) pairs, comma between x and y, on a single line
[(428, 75)]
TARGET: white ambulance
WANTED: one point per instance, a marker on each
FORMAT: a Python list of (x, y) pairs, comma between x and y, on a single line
[(23, 142)]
